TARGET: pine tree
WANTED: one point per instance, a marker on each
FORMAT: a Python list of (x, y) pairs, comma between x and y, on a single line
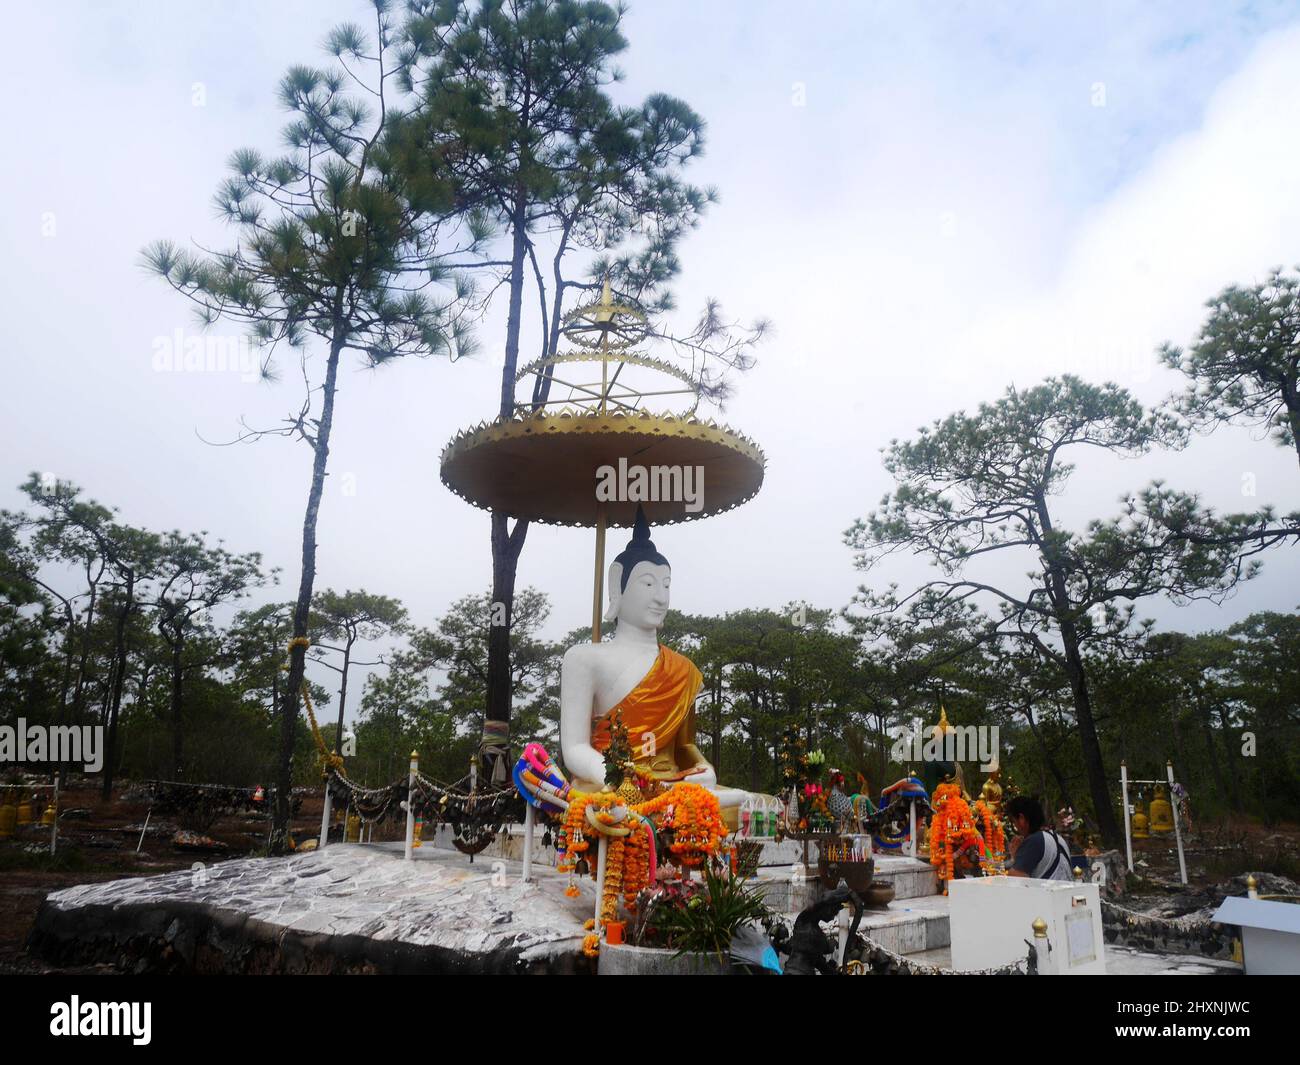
[(332, 247), (583, 190)]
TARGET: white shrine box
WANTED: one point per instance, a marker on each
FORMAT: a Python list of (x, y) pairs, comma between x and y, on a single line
[(1270, 934), (991, 917)]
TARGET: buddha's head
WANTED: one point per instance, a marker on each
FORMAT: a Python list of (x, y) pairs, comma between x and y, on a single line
[(639, 580)]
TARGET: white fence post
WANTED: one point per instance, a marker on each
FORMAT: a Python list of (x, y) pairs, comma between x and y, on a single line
[(410, 807), (1128, 831), (529, 817), (1178, 832), (325, 815), (1042, 948), (54, 824)]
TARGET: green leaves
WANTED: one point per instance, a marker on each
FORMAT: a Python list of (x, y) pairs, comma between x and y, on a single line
[(1244, 366), (972, 484), (704, 922), (358, 615), (347, 39), (328, 243)]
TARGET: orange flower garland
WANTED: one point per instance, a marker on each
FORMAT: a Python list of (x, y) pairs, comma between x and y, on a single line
[(951, 830), (636, 865), (690, 810), (995, 842), (613, 880)]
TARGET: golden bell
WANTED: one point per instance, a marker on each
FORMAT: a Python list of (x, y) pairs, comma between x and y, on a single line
[(1140, 821), (1162, 813)]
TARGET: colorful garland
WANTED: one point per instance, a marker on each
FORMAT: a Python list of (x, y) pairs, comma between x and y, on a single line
[(689, 811), (995, 842), (951, 831)]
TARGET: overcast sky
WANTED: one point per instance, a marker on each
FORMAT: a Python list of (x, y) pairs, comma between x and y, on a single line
[(930, 201)]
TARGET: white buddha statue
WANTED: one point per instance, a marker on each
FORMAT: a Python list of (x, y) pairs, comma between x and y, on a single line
[(652, 686)]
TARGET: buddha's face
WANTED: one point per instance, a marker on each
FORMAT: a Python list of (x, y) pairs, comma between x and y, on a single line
[(644, 601)]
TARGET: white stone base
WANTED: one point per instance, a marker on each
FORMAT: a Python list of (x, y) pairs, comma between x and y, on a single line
[(909, 877)]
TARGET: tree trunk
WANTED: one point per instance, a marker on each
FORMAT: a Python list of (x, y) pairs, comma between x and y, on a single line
[(178, 679), (65, 682), (78, 693), (1176, 728), (343, 694), (302, 607), (1211, 746), (1048, 760), (882, 746), (506, 544), (119, 681), (1234, 789), (1059, 596), (715, 725), (1291, 399), (1092, 759)]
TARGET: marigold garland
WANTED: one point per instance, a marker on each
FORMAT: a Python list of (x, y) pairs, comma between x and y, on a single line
[(995, 843), (952, 829), (689, 810)]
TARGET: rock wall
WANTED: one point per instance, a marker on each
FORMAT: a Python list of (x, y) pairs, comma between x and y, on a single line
[(194, 938)]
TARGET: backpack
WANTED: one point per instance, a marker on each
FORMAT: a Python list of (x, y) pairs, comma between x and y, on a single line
[(1058, 868)]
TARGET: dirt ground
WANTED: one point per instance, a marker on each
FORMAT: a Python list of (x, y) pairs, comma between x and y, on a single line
[(98, 840)]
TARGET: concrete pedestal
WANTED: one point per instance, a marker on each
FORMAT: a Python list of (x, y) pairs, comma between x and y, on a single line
[(991, 917)]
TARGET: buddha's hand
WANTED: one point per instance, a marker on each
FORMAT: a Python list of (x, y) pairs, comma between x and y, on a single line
[(672, 778), (700, 774)]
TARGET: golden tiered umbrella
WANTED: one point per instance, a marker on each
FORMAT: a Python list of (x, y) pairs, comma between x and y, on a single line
[(541, 464)]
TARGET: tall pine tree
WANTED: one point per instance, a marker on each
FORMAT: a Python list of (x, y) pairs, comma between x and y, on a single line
[(332, 248)]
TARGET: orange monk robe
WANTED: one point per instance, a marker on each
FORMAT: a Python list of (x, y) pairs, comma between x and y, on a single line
[(659, 713)]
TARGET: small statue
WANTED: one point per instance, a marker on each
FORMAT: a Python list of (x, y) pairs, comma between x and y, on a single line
[(837, 802), (811, 949), (991, 793), (891, 824)]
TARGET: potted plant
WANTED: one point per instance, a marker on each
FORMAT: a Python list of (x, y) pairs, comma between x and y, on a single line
[(697, 920)]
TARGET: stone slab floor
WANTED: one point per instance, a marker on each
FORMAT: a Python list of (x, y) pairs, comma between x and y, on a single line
[(477, 908)]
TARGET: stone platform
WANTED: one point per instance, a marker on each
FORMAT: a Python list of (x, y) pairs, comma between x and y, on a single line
[(347, 908), (359, 908), (1124, 961), (910, 877)]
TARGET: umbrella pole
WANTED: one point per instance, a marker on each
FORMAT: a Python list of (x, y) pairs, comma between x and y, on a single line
[(598, 582)]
